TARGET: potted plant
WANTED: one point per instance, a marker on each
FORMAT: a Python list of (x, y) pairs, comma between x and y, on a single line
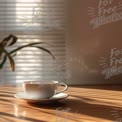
[(10, 41)]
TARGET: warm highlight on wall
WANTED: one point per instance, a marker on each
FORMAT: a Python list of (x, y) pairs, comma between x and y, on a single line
[(94, 41)]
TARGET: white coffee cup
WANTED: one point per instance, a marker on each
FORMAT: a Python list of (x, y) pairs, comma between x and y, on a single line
[(45, 89)]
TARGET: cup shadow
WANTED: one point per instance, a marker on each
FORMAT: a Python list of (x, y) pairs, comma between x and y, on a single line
[(83, 106)]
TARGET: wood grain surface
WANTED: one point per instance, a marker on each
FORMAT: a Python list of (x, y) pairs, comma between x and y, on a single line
[(84, 104)]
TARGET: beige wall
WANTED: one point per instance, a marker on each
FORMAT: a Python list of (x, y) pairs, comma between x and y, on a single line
[(86, 45)]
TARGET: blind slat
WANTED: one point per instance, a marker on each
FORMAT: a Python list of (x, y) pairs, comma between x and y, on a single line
[(34, 21)]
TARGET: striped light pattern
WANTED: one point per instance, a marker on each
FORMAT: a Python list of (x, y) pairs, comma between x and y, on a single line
[(33, 21)]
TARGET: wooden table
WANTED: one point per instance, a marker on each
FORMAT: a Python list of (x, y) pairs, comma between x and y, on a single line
[(85, 104)]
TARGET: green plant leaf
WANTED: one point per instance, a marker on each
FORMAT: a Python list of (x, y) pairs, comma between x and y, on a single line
[(28, 45), (10, 59), (2, 63), (14, 40), (44, 49), (7, 39), (19, 48), (4, 60), (1, 51)]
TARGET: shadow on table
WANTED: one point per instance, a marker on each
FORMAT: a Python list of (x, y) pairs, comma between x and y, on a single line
[(84, 106)]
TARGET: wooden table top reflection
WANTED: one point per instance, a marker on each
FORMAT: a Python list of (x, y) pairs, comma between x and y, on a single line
[(84, 104)]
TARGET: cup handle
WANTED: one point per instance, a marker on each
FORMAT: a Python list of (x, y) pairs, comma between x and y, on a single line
[(65, 88)]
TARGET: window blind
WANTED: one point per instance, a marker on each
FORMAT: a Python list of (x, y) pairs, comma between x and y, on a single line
[(34, 21)]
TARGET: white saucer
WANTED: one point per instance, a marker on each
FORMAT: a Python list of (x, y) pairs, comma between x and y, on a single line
[(56, 97)]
